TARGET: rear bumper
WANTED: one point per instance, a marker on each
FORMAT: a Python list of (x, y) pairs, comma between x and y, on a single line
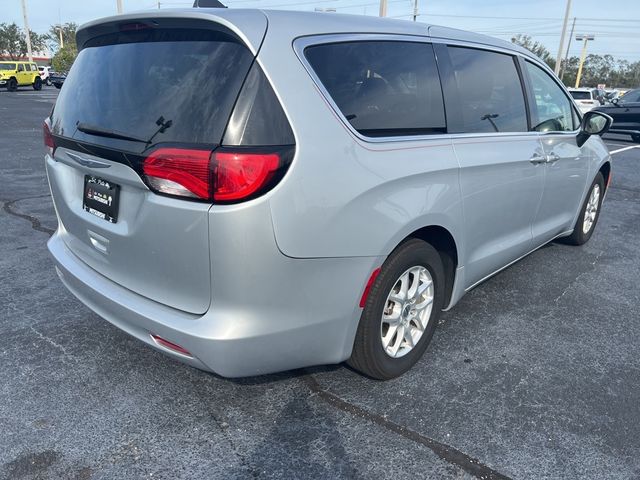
[(235, 340)]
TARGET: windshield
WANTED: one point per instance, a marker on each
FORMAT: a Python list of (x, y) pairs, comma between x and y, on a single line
[(581, 95), (7, 66), (631, 96), (157, 85)]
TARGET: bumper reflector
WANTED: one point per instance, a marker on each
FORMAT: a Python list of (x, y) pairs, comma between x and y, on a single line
[(170, 346)]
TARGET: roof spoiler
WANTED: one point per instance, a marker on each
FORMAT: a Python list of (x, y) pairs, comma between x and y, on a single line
[(208, 4)]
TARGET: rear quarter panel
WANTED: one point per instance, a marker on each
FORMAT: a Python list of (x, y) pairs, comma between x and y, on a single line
[(345, 197)]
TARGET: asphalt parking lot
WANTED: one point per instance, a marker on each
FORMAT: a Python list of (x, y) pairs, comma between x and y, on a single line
[(535, 374)]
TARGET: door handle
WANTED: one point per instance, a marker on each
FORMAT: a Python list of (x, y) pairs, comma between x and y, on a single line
[(538, 159), (552, 158)]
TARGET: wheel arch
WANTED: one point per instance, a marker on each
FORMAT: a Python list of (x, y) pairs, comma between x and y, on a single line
[(443, 241), (605, 170)]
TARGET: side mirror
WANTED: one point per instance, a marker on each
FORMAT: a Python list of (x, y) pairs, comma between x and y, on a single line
[(615, 100), (593, 123)]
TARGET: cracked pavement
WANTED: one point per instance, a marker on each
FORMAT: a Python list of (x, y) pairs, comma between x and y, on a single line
[(535, 374)]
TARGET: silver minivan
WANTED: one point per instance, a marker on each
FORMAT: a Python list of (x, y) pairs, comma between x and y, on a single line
[(254, 191)]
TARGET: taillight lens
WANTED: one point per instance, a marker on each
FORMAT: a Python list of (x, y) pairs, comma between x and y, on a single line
[(238, 176), (224, 176), (49, 142), (181, 172)]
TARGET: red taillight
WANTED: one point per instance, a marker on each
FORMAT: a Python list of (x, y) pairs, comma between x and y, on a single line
[(221, 176), (48, 138), (241, 175), (367, 288), (170, 345), (178, 171)]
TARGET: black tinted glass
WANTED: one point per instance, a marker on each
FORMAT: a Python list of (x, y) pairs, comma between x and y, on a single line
[(175, 85), (631, 97), (489, 90), (382, 88), (581, 95), (258, 118)]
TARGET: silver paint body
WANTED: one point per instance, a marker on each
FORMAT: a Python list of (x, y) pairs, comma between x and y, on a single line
[(274, 283)]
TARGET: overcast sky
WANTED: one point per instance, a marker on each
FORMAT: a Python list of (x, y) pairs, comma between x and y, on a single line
[(616, 25)]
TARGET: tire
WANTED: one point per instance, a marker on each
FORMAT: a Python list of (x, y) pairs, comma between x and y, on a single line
[(47, 82), (579, 235), (37, 84), (369, 355), (12, 85)]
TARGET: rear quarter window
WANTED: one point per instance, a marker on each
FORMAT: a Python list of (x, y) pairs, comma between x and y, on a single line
[(383, 88)]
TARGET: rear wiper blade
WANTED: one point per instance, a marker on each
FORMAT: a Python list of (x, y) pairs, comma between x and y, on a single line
[(103, 132)]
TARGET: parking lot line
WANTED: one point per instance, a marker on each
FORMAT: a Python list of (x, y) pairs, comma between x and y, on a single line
[(624, 149)]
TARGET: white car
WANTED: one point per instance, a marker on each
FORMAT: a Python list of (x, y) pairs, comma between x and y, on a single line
[(45, 72), (585, 98)]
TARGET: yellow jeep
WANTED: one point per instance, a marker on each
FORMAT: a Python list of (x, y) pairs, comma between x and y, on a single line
[(18, 74)]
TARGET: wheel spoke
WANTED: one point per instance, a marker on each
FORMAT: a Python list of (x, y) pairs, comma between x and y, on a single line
[(399, 337), (415, 283), (423, 288), (394, 317), (396, 298), (417, 321), (408, 337), (405, 283), (389, 336)]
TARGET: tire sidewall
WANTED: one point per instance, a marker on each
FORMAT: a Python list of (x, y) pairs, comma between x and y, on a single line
[(37, 84), (12, 85), (413, 253), (581, 236)]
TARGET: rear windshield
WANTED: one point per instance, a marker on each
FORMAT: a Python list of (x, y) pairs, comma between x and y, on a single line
[(581, 95), (7, 66), (155, 85)]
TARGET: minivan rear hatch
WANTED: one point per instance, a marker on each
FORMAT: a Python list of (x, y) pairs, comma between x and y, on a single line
[(137, 86)]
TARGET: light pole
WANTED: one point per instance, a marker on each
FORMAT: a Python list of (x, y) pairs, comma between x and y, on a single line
[(564, 31), (566, 55), (415, 10), (383, 8), (119, 6), (586, 39), (26, 27)]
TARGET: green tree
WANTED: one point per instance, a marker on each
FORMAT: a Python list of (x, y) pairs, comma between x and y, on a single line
[(68, 31), (534, 47), (64, 57), (13, 41)]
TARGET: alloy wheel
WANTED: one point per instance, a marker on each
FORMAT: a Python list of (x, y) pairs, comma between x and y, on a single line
[(407, 311), (592, 209)]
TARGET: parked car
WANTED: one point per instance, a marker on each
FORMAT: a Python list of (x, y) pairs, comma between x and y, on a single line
[(57, 79), (586, 98), (625, 112), (45, 73), (322, 200), (19, 74)]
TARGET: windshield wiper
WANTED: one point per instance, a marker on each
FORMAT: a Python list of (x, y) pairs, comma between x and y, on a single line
[(103, 132)]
